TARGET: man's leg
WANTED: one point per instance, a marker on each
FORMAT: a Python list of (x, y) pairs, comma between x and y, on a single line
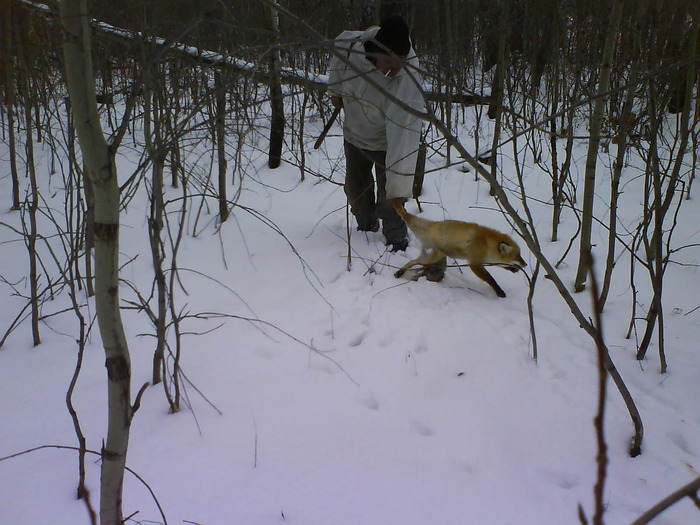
[(359, 187), (393, 227)]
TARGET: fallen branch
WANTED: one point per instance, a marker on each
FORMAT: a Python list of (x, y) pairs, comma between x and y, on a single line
[(292, 76)]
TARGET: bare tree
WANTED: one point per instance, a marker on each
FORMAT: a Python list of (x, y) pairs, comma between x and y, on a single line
[(8, 63), (157, 151), (625, 127), (101, 175), (663, 186), (594, 141), (32, 209), (221, 144), (277, 124), (570, 68)]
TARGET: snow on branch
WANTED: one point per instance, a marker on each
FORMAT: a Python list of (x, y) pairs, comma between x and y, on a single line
[(213, 58), (292, 76)]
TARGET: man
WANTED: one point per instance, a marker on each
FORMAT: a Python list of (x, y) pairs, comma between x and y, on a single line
[(378, 64)]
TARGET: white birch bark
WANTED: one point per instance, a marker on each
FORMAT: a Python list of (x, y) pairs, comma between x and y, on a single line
[(101, 175)]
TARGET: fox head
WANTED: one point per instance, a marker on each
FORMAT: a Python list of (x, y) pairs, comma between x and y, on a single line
[(509, 253)]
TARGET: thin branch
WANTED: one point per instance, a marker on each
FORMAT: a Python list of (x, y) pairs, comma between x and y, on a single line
[(690, 490), (94, 453)]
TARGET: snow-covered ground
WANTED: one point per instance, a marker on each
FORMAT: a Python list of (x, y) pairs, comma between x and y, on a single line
[(361, 399)]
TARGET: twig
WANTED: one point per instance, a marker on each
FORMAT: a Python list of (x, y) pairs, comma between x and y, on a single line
[(91, 511), (94, 453), (347, 232), (690, 490), (255, 321), (137, 401), (532, 282)]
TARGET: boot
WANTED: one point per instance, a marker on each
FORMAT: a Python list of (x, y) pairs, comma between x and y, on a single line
[(371, 225), (396, 233)]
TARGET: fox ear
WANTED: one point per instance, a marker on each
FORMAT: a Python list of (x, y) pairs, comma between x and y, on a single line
[(505, 248)]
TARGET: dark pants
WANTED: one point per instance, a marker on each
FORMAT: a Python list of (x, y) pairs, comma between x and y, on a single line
[(359, 189)]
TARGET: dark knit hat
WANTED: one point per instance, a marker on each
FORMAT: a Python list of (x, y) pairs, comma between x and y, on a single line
[(393, 35)]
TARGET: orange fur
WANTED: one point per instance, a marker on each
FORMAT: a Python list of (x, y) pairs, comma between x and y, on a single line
[(477, 244)]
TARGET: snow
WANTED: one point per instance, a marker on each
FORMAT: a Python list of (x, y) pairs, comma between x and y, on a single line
[(358, 399)]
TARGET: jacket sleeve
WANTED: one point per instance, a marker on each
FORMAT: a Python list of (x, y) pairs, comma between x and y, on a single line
[(337, 69), (403, 139)]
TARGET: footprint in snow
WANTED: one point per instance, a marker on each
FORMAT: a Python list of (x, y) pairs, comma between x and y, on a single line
[(469, 468), (421, 348), (357, 340), (421, 429), (369, 401), (509, 331), (680, 441), (562, 480)]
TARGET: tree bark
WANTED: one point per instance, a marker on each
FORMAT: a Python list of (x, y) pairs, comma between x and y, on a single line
[(10, 103), (154, 115), (664, 187), (25, 88), (155, 228), (101, 174), (277, 123), (496, 107), (624, 130), (221, 144), (594, 142), (32, 236)]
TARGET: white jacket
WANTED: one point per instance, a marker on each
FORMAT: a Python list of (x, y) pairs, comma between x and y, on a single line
[(372, 121)]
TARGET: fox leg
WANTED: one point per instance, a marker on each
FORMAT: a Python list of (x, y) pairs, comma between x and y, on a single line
[(484, 275), (426, 259)]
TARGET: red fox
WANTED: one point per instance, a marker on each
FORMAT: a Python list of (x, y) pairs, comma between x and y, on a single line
[(477, 244)]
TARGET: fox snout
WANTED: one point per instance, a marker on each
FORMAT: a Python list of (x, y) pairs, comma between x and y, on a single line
[(510, 250), (516, 265)]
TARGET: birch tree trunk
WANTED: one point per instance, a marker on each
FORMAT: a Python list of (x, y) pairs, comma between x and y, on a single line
[(101, 174), (594, 142)]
